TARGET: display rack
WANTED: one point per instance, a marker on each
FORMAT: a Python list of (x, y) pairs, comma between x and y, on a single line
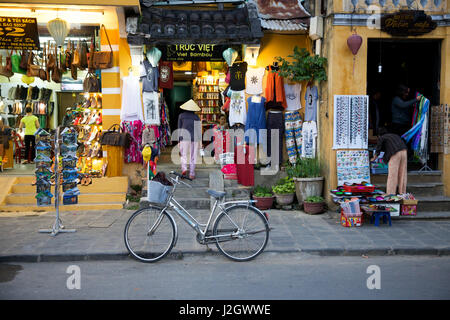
[(207, 96)]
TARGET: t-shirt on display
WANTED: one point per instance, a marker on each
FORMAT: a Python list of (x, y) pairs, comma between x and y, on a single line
[(292, 93), (311, 97), (237, 75), (238, 110), (149, 77), (255, 80)]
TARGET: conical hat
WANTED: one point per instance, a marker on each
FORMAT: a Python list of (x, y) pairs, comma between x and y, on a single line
[(190, 106)]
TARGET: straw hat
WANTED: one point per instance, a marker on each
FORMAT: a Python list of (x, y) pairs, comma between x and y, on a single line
[(190, 106)]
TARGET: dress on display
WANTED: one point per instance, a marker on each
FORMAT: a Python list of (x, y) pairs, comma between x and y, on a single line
[(131, 100)]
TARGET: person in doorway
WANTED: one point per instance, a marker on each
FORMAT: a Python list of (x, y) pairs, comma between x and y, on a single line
[(401, 113), (395, 155), (31, 124), (375, 111), (190, 136)]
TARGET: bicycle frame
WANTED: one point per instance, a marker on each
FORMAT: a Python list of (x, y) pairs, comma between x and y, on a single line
[(189, 219)]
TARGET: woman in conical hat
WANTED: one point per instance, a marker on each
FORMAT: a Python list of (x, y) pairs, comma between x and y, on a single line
[(190, 136)]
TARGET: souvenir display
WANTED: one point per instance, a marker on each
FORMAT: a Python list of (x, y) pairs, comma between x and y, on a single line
[(351, 124), (43, 172), (352, 166), (69, 170)]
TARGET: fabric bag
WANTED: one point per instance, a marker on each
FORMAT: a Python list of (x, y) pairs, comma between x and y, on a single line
[(90, 83), (6, 70), (103, 59), (114, 137), (15, 61)]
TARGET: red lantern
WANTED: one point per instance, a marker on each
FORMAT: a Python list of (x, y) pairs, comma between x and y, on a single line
[(354, 43)]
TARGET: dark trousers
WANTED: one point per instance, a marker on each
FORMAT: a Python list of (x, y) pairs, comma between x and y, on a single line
[(275, 122), (30, 144)]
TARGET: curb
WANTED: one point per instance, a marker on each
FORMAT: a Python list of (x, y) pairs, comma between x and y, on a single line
[(179, 255)]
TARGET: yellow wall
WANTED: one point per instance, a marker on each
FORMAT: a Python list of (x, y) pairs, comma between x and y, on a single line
[(342, 80)]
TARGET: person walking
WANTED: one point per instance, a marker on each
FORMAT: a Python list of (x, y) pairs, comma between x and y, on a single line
[(31, 123), (395, 155), (400, 108), (190, 136)]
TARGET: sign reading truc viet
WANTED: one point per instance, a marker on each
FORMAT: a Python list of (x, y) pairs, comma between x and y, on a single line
[(19, 33), (192, 52)]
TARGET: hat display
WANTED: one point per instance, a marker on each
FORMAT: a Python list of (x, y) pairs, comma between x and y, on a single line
[(190, 106)]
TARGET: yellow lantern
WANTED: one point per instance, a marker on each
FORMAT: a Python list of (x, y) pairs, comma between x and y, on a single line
[(26, 79)]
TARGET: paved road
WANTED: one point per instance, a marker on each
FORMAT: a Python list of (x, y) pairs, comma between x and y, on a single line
[(271, 276)]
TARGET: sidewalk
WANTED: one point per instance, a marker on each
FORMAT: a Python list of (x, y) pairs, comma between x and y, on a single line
[(99, 236)]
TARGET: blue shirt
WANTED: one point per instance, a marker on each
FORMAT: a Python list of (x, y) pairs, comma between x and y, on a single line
[(189, 121)]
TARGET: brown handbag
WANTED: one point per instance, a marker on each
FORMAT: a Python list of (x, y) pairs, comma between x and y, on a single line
[(6, 70), (90, 83), (56, 71), (68, 53), (83, 55), (76, 56), (24, 59), (32, 69), (103, 59)]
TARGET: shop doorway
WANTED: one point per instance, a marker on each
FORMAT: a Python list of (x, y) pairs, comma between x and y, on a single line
[(413, 63)]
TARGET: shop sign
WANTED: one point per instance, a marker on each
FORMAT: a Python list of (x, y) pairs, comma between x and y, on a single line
[(192, 52), (407, 23), (18, 33)]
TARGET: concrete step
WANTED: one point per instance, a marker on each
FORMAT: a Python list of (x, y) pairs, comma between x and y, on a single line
[(433, 203), (425, 215), (421, 189), (413, 177), (84, 198), (76, 207)]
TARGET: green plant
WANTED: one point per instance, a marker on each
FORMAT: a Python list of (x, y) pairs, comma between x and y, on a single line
[(303, 66), (315, 199), (284, 186), (262, 192), (304, 168)]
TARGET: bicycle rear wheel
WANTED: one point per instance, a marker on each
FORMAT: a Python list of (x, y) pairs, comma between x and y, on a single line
[(150, 234), (242, 232)]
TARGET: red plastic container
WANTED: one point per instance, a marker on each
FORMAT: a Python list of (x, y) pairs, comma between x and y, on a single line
[(359, 189)]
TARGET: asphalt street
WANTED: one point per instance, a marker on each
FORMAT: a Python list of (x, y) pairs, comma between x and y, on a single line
[(271, 276)]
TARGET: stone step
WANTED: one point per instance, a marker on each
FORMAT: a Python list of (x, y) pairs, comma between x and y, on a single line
[(421, 189), (413, 177), (76, 207), (433, 203)]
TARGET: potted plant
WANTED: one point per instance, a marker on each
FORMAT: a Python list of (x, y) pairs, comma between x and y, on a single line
[(264, 197), (307, 177), (314, 205), (284, 191), (302, 66)]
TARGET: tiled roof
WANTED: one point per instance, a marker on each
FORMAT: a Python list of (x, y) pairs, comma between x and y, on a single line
[(282, 15)]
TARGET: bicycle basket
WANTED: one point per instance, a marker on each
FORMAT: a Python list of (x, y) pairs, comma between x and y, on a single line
[(158, 193)]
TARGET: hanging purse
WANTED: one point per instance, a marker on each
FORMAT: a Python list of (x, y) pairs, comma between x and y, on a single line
[(44, 75), (118, 138), (76, 55), (103, 59), (24, 59), (15, 60), (56, 71), (90, 83), (6, 70), (83, 55), (68, 54), (90, 56)]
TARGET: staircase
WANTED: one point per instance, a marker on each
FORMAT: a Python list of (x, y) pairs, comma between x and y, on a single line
[(426, 186), (102, 194)]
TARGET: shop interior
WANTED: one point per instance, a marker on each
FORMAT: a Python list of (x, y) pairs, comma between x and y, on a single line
[(56, 100), (413, 63)]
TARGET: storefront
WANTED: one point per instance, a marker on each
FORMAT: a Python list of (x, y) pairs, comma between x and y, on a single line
[(416, 56)]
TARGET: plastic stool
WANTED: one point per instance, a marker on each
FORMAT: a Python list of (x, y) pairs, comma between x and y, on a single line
[(376, 216)]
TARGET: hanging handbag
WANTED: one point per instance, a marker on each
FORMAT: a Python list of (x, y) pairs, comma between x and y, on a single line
[(103, 59), (24, 59), (68, 55), (118, 138), (32, 69), (6, 70), (56, 71), (90, 56), (44, 75), (90, 83), (83, 55), (15, 60), (76, 55)]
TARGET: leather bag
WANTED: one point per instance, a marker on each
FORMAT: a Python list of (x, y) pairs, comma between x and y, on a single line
[(114, 136), (24, 59), (32, 69), (76, 56), (68, 54), (90, 83), (83, 55), (56, 71), (103, 59), (6, 70)]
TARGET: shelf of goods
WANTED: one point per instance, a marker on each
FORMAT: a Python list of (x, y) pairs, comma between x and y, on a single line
[(88, 123), (207, 96)]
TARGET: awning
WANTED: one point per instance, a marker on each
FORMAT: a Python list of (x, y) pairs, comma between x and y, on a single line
[(166, 26)]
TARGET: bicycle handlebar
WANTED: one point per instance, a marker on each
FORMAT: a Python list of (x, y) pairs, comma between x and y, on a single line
[(180, 175)]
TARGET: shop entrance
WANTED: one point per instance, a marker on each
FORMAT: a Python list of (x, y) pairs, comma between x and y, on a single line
[(413, 63)]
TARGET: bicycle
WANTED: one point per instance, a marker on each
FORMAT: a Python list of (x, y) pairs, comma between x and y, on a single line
[(240, 230)]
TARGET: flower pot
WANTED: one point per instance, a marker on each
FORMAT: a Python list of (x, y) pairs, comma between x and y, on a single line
[(313, 207), (307, 187), (263, 203), (285, 199)]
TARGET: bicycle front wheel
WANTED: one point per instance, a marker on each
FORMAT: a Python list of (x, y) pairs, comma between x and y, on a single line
[(150, 234), (241, 232)]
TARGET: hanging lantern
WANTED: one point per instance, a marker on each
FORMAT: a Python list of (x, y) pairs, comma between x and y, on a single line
[(354, 42), (153, 56), (230, 55), (59, 29)]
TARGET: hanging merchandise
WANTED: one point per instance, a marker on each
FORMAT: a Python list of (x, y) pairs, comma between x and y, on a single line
[(238, 110), (131, 99), (43, 171), (255, 80), (292, 93), (166, 75), (237, 76), (311, 97), (275, 127), (294, 140), (244, 158), (274, 91), (354, 43), (309, 135), (151, 108), (351, 124), (256, 120), (153, 56), (102, 59), (230, 55), (69, 171), (134, 129)]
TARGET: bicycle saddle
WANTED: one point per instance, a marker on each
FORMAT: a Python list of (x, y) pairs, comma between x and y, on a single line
[(216, 194)]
